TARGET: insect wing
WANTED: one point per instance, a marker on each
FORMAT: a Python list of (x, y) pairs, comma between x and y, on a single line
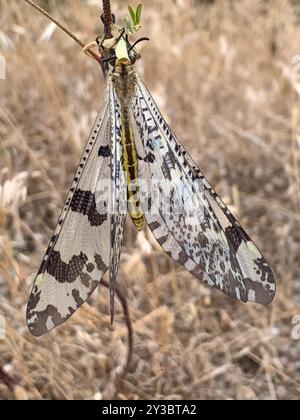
[(78, 254), (118, 194), (189, 219)]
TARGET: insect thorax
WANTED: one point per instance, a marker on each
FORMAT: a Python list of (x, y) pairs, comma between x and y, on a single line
[(124, 79)]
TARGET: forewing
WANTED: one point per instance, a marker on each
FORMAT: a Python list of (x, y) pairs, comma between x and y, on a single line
[(118, 194), (189, 219), (78, 254)]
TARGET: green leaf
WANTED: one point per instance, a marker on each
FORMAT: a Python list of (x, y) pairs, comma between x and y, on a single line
[(132, 14), (138, 14)]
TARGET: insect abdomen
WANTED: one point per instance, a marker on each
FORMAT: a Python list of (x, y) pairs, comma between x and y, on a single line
[(130, 165)]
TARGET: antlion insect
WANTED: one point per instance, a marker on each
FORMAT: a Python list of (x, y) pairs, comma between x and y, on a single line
[(134, 164)]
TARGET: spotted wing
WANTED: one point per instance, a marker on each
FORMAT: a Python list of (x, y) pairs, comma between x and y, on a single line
[(188, 218), (78, 254), (118, 194)]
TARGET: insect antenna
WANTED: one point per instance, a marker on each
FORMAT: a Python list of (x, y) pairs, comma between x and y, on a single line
[(137, 42), (108, 59)]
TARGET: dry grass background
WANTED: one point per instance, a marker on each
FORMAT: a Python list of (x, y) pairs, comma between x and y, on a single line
[(221, 72)]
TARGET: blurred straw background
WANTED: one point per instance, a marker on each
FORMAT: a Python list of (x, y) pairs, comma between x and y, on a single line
[(224, 76)]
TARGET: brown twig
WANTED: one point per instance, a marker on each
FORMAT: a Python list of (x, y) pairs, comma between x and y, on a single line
[(107, 18), (62, 27), (126, 312)]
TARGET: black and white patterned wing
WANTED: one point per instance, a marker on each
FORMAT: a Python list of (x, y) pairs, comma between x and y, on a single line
[(118, 194), (188, 218), (78, 254)]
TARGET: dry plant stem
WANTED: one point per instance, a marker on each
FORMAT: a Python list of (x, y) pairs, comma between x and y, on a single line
[(62, 27), (126, 312), (107, 18)]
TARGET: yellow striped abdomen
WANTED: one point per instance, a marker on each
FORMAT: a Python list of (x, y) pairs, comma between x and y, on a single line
[(130, 166)]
